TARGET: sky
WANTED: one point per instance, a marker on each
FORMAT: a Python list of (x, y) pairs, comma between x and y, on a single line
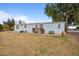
[(28, 12)]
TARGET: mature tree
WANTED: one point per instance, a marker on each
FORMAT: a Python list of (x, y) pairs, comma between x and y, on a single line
[(51, 11), (1, 27), (62, 11), (10, 23)]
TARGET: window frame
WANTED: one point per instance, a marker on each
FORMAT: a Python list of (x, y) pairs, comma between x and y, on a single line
[(17, 26), (25, 25)]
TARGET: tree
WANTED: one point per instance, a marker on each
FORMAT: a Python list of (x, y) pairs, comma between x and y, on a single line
[(10, 23), (1, 27), (51, 11), (62, 11)]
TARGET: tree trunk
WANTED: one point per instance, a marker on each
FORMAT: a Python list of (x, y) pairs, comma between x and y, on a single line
[(66, 28), (66, 23)]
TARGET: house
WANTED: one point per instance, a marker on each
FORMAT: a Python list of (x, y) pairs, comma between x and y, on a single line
[(46, 27)]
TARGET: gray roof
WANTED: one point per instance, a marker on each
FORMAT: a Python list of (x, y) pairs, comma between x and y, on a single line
[(40, 23), (43, 23)]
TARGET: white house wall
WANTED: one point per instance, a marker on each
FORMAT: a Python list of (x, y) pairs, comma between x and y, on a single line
[(29, 27), (54, 27), (47, 27), (19, 28)]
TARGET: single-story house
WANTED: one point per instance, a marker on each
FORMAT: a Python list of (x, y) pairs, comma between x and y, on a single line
[(46, 27)]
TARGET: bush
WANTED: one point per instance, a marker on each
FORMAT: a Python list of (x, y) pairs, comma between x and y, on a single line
[(42, 30), (77, 27), (6, 27)]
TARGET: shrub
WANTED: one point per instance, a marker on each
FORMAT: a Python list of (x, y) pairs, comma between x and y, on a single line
[(6, 27), (77, 27)]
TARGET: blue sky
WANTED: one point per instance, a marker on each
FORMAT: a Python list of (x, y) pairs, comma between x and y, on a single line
[(29, 12)]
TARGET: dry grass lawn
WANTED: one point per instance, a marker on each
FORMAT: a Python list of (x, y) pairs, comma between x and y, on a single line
[(12, 44)]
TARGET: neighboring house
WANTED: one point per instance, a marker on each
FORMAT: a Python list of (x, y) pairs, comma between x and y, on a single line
[(47, 27)]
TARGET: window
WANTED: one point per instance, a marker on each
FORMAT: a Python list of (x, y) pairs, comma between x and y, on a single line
[(58, 25), (19, 22), (17, 26), (25, 26)]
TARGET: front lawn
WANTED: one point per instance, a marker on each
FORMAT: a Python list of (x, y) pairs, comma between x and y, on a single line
[(12, 43)]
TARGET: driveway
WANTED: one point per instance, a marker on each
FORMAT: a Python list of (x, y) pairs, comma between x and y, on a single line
[(74, 35)]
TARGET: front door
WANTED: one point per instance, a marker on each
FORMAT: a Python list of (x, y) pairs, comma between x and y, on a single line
[(41, 28), (38, 28)]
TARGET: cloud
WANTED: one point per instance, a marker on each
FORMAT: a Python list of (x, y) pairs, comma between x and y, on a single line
[(29, 20), (23, 18), (4, 16)]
